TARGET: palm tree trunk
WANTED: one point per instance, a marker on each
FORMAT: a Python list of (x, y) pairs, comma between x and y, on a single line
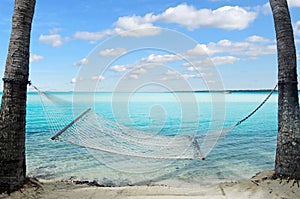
[(287, 163), (13, 106)]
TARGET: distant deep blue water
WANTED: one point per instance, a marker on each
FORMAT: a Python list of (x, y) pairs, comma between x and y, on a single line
[(246, 150)]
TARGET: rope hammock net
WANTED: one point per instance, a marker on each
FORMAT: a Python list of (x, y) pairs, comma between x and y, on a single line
[(95, 132)]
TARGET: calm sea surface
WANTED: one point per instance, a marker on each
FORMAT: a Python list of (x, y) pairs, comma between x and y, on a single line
[(244, 151)]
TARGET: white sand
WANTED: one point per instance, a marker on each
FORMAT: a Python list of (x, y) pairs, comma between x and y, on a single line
[(260, 186)]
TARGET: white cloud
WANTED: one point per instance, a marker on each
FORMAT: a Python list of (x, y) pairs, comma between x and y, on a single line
[(98, 77), (293, 3), (132, 72), (189, 76), (199, 50), (119, 68), (171, 72), (199, 64), (214, 61), (140, 32), (160, 59), (35, 58), (256, 38), (73, 80), (227, 17), (265, 9), (228, 52), (221, 53), (92, 36), (137, 26), (249, 49), (112, 52), (139, 71), (221, 60), (54, 40), (175, 75), (83, 61), (134, 76), (147, 62), (190, 68), (135, 22), (297, 28)]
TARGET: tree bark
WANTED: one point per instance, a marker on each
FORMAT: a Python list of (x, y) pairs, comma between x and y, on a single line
[(287, 162), (13, 106)]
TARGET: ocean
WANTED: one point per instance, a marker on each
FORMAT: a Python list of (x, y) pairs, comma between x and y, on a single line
[(241, 153)]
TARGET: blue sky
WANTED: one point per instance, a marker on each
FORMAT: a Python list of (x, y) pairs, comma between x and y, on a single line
[(231, 39)]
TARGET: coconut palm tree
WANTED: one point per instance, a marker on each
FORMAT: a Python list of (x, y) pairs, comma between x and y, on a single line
[(13, 106), (287, 162)]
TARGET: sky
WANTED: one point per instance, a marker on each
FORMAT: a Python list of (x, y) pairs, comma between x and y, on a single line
[(151, 45)]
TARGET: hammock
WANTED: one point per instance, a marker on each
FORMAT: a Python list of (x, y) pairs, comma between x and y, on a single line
[(94, 131)]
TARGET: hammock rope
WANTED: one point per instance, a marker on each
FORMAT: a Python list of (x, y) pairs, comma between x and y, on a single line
[(257, 108)]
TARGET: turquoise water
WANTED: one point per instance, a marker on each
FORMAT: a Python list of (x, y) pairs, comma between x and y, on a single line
[(246, 150)]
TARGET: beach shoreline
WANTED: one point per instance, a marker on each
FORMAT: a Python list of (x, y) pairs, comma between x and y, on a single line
[(262, 185)]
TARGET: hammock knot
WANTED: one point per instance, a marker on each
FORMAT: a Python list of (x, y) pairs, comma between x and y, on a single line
[(15, 80), (287, 82)]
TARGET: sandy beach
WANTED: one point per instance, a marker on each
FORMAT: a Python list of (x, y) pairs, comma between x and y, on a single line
[(260, 186)]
